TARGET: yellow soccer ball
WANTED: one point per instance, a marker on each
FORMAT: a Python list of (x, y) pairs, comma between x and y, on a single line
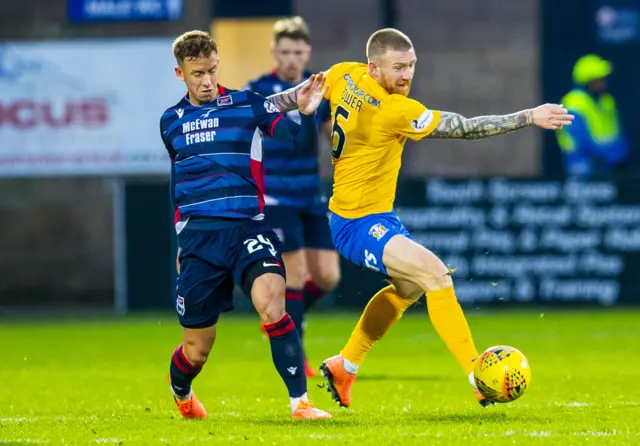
[(502, 374)]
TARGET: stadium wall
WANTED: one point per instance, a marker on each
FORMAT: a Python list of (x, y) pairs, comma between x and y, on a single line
[(58, 232)]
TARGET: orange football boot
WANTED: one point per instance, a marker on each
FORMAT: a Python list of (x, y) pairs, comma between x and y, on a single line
[(339, 381), (191, 408), (483, 400), (307, 411)]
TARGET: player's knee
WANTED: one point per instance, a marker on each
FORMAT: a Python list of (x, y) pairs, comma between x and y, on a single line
[(196, 352), (295, 277), (328, 277), (407, 290), (434, 276), (440, 281), (273, 313), (273, 307), (267, 295), (296, 269)]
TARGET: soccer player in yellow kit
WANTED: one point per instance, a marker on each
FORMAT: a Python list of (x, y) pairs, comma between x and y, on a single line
[(372, 118)]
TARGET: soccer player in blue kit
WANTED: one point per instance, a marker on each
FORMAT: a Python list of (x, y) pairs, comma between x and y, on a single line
[(295, 206), (214, 138)]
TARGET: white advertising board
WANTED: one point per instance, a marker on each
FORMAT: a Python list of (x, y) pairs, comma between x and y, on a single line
[(85, 107)]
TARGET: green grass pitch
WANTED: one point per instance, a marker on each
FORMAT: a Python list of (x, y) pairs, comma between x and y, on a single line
[(105, 382)]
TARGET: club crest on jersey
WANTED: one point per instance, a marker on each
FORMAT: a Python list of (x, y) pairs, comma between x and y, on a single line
[(270, 108), (225, 100), (378, 231), (180, 305), (423, 121)]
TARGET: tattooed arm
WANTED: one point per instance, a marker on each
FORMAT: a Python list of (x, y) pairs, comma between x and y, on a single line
[(546, 116), (287, 100), (453, 125), (308, 92)]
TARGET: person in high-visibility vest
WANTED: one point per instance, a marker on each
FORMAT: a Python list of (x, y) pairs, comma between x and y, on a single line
[(595, 144)]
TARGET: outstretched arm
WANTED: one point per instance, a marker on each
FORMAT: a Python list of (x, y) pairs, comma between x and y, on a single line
[(453, 125)]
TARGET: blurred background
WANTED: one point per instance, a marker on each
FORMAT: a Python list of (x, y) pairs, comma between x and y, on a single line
[(530, 218)]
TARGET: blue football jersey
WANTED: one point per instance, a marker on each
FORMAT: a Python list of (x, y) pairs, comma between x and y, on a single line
[(217, 155)]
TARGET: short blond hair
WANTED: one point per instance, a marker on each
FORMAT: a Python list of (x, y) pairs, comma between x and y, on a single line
[(294, 28), (387, 39), (192, 45)]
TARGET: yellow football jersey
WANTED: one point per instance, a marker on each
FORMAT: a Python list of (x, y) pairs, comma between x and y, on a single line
[(370, 127)]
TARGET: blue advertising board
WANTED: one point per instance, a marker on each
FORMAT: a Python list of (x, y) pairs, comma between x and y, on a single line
[(80, 11)]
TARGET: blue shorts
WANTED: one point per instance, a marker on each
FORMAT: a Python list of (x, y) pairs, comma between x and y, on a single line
[(212, 261), (362, 240), (299, 228)]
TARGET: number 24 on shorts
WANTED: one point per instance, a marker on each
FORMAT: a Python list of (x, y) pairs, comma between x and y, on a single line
[(258, 243)]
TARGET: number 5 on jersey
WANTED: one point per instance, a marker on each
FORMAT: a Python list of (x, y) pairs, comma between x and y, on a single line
[(338, 145)]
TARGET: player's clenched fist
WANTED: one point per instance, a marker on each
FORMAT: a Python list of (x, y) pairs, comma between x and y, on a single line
[(551, 116)]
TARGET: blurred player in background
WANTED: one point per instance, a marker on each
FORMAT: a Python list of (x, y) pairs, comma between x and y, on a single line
[(296, 209), (372, 119), (213, 136), (595, 145)]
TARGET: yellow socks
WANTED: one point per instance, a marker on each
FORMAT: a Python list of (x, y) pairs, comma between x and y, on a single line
[(449, 321), (386, 308), (382, 311)]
